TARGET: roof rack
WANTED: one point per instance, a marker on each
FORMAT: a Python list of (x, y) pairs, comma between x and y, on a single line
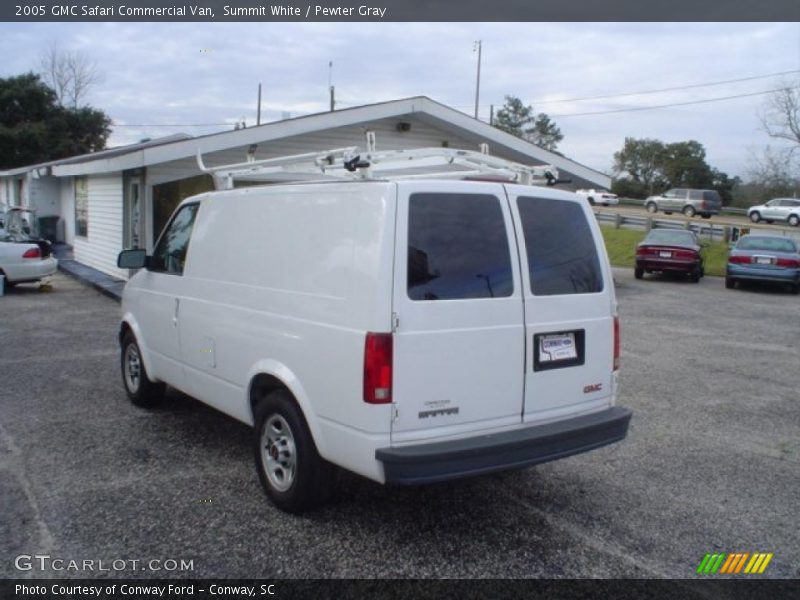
[(351, 163)]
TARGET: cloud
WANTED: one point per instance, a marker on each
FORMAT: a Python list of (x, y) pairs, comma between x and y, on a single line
[(160, 75)]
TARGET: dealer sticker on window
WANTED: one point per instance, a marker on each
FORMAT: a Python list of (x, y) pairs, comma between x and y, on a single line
[(557, 347)]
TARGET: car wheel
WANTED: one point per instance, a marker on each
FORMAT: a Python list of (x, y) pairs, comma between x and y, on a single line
[(694, 276), (141, 391), (689, 211), (705, 216), (638, 272), (730, 283), (794, 220), (795, 288), (293, 474), (770, 221), (652, 207), (755, 216)]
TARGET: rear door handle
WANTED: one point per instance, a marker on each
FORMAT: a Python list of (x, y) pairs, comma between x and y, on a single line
[(175, 314)]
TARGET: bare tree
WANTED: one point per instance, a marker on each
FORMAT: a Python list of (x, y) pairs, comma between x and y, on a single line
[(781, 115), (70, 73)]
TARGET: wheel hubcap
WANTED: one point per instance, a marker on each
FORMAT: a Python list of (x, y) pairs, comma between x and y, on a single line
[(278, 453), (133, 368)]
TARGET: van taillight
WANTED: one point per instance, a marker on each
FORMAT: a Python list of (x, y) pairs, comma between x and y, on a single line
[(32, 253), (378, 368), (616, 343)]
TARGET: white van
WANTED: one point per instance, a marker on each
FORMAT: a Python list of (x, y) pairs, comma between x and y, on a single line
[(410, 331)]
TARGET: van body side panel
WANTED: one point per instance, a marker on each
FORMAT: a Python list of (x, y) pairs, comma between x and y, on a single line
[(569, 299), (156, 295), (290, 274), (459, 344)]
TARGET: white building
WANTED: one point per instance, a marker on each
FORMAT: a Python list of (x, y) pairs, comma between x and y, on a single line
[(122, 197)]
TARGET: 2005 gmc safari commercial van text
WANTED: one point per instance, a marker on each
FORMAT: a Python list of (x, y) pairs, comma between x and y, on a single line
[(409, 331)]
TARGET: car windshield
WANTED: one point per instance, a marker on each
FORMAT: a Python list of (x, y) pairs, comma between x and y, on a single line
[(665, 236), (773, 244)]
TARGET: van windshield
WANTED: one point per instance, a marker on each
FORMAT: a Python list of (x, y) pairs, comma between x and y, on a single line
[(562, 257)]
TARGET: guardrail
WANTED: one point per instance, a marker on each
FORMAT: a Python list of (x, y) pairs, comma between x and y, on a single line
[(705, 229)]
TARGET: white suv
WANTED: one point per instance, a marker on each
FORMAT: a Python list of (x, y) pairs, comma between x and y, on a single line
[(408, 331), (778, 209)]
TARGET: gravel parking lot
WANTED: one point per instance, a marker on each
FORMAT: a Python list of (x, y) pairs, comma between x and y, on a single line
[(711, 463)]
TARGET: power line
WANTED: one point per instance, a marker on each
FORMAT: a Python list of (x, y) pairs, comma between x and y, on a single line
[(170, 124), (622, 110), (669, 89)]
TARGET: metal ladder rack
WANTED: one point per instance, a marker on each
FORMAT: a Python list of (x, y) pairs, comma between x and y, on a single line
[(350, 163)]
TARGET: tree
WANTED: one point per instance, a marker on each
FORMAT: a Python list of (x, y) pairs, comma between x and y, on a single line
[(781, 115), (645, 167), (35, 128), (519, 120), (70, 73), (641, 160), (684, 165)]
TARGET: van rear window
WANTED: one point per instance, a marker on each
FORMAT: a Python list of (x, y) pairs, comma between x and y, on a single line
[(457, 248), (562, 257)]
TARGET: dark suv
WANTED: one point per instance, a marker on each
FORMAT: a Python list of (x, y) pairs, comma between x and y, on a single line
[(690, 202)]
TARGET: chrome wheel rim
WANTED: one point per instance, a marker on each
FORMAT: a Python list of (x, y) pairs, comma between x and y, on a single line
[(133, 368), (278, 453)]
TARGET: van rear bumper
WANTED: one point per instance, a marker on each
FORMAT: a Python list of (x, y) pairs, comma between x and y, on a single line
[(440, 461)]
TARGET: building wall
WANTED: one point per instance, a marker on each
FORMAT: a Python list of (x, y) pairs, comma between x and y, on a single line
[(99, 249), (43, 195)]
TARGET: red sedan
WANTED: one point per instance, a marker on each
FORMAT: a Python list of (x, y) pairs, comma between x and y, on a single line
[(669, 251)]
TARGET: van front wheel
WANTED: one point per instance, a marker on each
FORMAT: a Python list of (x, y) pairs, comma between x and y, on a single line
[(141, 391), (293, 474)]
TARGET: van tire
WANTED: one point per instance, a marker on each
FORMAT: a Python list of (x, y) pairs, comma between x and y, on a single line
[(794, 220), (295, 477), (689, 211), (141, 391), (652, 208), (755, 216)]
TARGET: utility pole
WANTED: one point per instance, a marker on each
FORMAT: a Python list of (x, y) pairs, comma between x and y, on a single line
[(258, 114), (477, 46), (330, 85)]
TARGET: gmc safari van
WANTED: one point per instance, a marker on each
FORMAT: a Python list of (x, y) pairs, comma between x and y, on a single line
[(410, 331)]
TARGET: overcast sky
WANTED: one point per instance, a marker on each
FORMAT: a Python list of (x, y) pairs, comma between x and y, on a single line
[(160, 78)]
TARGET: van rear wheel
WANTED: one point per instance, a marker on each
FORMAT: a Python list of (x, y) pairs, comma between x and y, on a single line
[(141, 391), (294, 475)]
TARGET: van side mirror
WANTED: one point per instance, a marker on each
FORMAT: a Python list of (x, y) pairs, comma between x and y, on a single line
[(132, 259)]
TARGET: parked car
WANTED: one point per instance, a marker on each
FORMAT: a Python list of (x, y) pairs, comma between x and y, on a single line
[(24, 257), (764, 258), (687, 201), (670, 251), (778, 209), (25, 262), (599, 197), (396, 329)]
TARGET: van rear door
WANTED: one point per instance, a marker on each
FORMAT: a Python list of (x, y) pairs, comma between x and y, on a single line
[(459, 339), (569, 305)]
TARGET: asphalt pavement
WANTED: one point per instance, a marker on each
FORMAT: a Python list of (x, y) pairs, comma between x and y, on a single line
[(711, 464)]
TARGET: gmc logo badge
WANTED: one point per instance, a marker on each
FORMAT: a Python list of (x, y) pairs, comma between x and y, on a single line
[(595, 387)]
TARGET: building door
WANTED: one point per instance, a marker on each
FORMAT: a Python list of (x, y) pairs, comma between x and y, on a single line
[(133, 201)]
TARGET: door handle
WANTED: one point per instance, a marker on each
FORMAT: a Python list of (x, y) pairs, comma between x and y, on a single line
[(175, 314)]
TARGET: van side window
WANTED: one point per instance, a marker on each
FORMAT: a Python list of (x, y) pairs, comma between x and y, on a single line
[(457, 247), (562, 258), (170, 253)]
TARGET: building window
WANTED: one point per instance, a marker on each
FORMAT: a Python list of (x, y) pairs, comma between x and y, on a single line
[(82, 206)]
